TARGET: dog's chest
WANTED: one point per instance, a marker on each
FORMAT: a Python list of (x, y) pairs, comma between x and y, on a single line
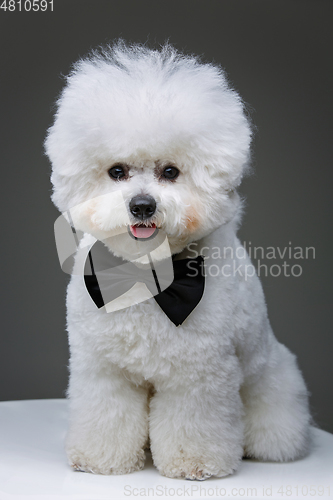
[(142, 340), (138, 339)]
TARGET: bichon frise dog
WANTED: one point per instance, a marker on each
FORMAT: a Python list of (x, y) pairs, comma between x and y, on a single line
[(146, 144)]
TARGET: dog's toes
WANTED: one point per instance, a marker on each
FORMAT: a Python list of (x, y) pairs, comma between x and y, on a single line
[(195, 471), (198, 474), (111, 466)]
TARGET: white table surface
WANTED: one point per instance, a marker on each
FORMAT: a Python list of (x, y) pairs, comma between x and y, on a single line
[(33, 466)]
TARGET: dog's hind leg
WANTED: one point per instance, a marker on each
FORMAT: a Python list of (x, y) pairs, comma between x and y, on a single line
[(277, 416)]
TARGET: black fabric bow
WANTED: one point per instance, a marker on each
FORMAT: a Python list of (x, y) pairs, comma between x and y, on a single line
[(177, 291)]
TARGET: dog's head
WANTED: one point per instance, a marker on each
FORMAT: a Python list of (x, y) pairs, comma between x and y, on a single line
[(146, 139)]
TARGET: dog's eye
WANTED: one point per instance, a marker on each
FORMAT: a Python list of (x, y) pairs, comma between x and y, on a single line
[(170, 173), (117, 172)]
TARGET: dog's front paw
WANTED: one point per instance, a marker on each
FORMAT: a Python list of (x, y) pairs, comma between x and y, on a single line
[(101, 464), (197, 469)]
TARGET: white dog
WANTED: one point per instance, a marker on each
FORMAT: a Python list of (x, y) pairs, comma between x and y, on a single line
[(157, 140)]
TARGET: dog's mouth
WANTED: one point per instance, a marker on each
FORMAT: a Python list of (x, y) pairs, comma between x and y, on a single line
[(142, 231)]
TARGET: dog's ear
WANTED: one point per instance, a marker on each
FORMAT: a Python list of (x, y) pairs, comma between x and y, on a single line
[(235, 161), (229, 156), (224, 153)]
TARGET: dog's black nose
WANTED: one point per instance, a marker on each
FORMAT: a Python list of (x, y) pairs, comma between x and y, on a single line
[(142, 206)]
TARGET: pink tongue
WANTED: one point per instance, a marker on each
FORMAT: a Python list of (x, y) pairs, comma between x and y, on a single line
[(142, 232)]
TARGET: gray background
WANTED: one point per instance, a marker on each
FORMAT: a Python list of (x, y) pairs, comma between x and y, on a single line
[(278, 56)]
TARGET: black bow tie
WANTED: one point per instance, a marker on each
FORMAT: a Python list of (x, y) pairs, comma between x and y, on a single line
[(107, 277)]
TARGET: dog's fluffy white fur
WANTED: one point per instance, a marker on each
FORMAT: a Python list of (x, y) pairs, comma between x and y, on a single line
[(219, 386)]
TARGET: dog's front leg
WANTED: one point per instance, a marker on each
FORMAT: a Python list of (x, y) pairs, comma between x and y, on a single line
[(196, 427), (108, 420)]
